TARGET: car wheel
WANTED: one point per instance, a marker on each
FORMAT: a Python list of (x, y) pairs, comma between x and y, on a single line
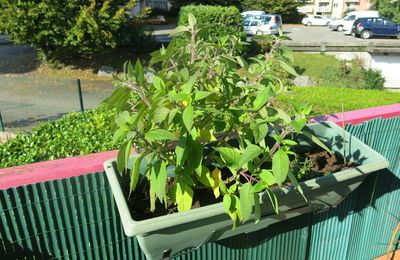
[(366, 34), (309, 24), (340, 28)]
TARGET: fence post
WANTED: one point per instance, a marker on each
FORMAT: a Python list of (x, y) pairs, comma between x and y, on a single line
[(78, 82), (1, 123)]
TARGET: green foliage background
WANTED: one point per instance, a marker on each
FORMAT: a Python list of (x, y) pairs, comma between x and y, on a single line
[(389, 8), (286, 8), (220, 20), (74, 134), (74, 26)]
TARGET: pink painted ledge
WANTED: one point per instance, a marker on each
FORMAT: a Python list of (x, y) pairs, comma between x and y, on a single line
[(52, 170), (85, 164), (359, 116)]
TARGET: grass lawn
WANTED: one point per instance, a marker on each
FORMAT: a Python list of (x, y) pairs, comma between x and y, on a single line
[(329, 100), (327, 71)]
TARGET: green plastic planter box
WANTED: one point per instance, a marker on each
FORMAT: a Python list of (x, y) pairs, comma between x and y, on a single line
[(179, 233)]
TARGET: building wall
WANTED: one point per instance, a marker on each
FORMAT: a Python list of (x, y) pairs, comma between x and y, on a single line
[(333, 8)]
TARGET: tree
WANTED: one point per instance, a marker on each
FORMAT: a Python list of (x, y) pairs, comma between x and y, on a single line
[(78, 26), (286, 8), (388, 8)]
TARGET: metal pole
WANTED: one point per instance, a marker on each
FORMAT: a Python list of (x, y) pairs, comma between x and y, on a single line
[(78, 82), (1, 123)]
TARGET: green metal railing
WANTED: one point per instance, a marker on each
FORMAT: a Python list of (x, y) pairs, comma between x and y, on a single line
[(77, 218)]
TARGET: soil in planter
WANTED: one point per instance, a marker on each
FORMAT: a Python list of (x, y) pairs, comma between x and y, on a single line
[(310, 165), (319, 163), (139, 202)]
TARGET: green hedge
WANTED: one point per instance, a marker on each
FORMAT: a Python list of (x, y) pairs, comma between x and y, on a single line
[(74, 134), (221, 20)]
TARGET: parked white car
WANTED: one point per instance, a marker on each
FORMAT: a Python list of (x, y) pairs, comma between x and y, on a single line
[(352, 16), (260, 27), (316, 20), (252, 13)]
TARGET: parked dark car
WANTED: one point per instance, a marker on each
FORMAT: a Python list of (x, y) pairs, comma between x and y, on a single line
[(375, 26)]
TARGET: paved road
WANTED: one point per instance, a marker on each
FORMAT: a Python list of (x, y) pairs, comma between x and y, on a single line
[(297, 33), (27, 98)]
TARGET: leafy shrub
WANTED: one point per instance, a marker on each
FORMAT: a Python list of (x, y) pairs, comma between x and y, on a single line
[(219, 20), (208, 118), (73, 134), (74, 26), (373, 79)]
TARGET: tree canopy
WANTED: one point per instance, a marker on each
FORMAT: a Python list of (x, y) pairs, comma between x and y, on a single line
[(80, 26), (389, 8)]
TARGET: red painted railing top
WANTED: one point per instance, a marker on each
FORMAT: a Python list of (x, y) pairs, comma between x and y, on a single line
[(75, 166)]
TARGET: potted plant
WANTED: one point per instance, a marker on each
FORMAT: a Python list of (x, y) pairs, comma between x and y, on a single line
[(216, 153)]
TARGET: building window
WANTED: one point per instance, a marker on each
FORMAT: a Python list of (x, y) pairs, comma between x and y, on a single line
[(335, 5)]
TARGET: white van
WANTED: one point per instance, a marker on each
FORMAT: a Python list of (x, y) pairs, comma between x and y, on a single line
[(345, 24)]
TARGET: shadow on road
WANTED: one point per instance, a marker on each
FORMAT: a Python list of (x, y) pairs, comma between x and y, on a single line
[(31, 122), (16, 59)]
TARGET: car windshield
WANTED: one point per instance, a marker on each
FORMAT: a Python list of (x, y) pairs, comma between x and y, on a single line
[(246, 23), (267, 18)]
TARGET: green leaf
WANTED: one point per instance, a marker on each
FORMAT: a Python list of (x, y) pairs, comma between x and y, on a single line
[(284, 116), (262, 98), (273, 199), (123, 156), (317, 141), (158, 179), (161, 114), (196, 158), (294, 181), (260, 131), (160, 135), (188, 117), (289, 69), (230, 156), (179, 30), (191, 20), (246, 200), (179, 97), (227, 201), (280, 166), (205, 177), (123, 119), (251, 152), (289, 142), (184, 196), (135, 171), (201, 95), (188, 86), (267, 177), (181, 151), (139, 75), (257, 208), (298, 124), (158, 83)]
